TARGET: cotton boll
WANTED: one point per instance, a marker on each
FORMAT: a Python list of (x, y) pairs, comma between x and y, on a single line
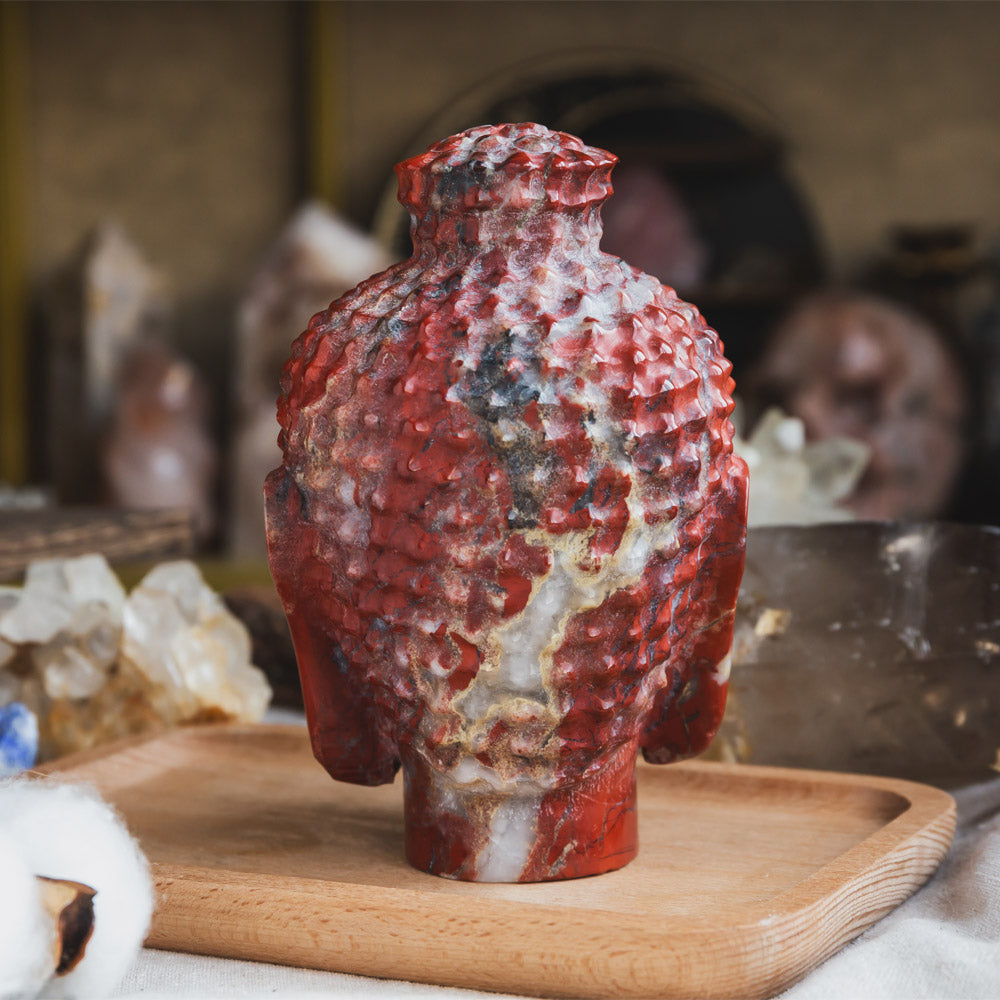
[(68, 832), (26, 933)]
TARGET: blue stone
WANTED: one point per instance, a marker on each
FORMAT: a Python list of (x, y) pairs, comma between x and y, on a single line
[(18, 738)]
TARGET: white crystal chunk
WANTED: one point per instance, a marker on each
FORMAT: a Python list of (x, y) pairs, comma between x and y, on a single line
[(793, 481), (95, 665), (181, 637), (54, 589)]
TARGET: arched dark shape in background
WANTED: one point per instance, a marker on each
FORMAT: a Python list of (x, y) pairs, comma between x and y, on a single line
[(718, 152)]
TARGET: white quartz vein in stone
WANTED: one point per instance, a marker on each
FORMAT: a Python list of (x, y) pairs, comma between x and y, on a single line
[(513, 829)]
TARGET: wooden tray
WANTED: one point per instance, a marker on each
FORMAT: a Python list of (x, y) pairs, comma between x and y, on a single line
[(747, 877)]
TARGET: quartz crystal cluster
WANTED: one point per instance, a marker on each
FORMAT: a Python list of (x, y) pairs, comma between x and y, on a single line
[(508, 530), (795, 481), (94, 663)]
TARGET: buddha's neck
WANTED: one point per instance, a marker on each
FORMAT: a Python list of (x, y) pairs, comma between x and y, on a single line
[(541, 233)]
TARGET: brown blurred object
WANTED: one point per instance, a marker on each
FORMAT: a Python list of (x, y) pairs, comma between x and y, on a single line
[(121, 535), (158, 451), (981, 495), (102, 302), (858, 366), (869, 647), (260, 610)]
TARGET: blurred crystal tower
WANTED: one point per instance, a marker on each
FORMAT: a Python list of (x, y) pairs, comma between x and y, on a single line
[(103, 302), (315, 260), (158, 451)]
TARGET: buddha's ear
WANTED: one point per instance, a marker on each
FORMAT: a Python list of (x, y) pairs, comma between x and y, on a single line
[(688, 709), (350, 738)]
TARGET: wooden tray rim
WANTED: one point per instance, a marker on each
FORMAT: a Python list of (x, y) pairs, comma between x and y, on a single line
[(910, 839)]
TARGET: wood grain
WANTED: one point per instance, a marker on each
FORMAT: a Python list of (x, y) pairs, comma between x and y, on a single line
[(747, 877), (26, 535)]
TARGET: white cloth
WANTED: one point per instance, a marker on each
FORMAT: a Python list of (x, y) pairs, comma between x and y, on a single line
[(164, 975), (942, 943)]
